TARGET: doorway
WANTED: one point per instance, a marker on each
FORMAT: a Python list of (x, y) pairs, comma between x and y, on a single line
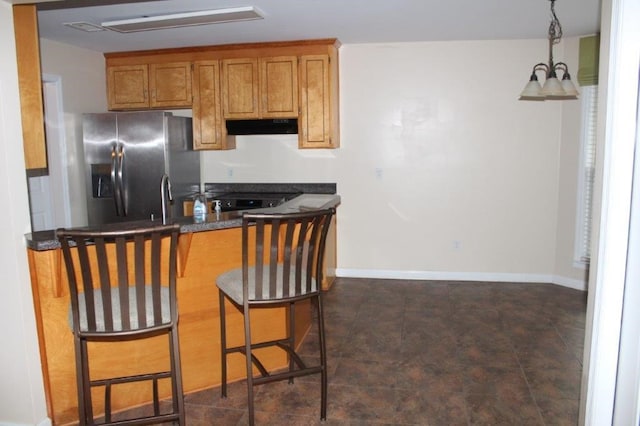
[(49, 199)]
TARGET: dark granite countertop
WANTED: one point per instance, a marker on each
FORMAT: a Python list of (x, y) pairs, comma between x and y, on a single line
[(46, 240)]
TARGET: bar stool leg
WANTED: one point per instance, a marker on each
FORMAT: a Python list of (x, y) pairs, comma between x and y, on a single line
[(84, 388), (178, 396), (292, 334), (323, 358), (247, 342), (223, 345)]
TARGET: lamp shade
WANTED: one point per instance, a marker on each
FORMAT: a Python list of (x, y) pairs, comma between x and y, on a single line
[(569, 88), (552, 87), (532, 91)]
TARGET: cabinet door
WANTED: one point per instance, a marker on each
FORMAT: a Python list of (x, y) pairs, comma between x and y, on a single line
[(279, 87), (240, 88), (127, 86), (170, 85), (314, 122), (209, 131)]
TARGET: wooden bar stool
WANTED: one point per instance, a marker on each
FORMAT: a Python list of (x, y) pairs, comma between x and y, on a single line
[(282, 260), (122, 285)]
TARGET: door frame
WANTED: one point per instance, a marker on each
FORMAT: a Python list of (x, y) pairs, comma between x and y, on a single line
[(605, 395)]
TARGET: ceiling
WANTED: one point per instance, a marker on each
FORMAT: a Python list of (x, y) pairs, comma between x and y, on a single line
[(351, 21)]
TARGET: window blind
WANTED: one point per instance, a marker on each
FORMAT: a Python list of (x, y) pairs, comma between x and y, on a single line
[(587, 174)]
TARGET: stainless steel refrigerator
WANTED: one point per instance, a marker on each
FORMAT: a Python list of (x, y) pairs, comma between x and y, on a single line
[(126, 156)]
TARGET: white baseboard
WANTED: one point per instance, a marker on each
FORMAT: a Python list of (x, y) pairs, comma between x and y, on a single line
[(45, 422), (462, 276), (570, 282)]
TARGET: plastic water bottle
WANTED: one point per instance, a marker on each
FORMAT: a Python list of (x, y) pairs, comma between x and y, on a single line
[(200, 208)]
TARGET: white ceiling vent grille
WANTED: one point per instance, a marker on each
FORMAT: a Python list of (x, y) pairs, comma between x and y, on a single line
[(84, 26)]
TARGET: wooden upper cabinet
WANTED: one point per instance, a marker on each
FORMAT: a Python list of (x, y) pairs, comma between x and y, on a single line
[(318, 119), (128, 87), (209, 130), (279, 87), (260, 87), (170, 85), (156, 85), (240, 88), (295, 79), (25, 21)]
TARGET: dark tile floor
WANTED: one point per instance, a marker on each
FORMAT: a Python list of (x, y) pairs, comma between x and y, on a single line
[(429, 353)]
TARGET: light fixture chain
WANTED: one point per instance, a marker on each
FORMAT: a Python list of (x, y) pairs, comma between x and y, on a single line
[(555, 29)]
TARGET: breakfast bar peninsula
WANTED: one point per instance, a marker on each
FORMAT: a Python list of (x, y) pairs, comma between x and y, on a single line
[(205, 250)]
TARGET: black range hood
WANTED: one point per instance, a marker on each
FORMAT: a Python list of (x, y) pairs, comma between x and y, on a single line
[(270, 126)]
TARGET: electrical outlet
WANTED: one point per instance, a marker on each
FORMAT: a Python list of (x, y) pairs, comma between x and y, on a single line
[(229, 172), (457, 245), (378, 172)]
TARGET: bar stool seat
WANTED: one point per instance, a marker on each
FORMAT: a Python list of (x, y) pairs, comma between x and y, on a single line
[(228, 284), (115, 307)]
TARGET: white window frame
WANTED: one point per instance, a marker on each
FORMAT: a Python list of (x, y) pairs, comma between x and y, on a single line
[(586, 174)]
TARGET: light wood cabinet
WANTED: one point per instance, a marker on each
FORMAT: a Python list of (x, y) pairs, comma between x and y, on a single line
[(240, 88), (128, 87), (279, 87), (142, 86), (170, 85), (318, 121), (25, 21), (209, 130), (260, 87)]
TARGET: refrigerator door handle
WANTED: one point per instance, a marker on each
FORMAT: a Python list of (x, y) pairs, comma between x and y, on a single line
[(121, 183), (114, 179)]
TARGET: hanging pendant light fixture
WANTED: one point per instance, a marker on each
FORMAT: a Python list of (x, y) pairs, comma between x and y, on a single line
[(553, 89)]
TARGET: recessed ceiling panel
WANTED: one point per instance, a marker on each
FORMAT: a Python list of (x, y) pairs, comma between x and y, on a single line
[(185, 19)]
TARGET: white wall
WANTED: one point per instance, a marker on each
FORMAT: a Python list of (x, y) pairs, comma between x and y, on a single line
[(83, 71), (21, 386), (82, 76), (443, 173)]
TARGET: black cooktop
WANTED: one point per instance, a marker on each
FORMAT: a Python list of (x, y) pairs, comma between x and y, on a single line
[(230, 201)]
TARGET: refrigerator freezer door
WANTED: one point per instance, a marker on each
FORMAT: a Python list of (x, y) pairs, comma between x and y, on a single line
[(100, 142)]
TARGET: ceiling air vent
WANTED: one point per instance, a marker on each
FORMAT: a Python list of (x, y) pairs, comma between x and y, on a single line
[(84, 26)]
